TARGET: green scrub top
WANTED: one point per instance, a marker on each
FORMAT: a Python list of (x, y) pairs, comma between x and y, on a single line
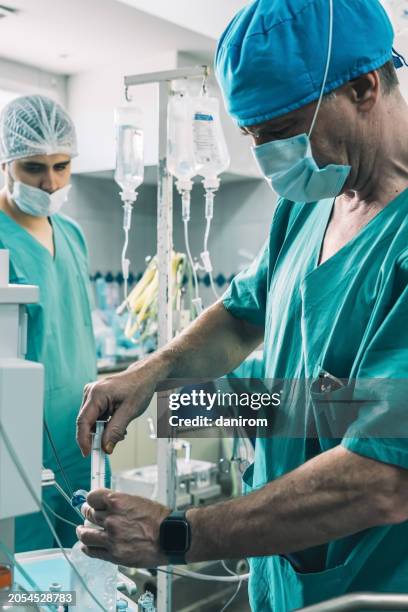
[(347, 317), (60, 336)]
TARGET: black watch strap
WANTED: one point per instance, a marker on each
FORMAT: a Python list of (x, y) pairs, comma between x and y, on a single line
[(175, 537)]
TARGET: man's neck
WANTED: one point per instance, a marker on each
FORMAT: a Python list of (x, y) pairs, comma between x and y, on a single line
[(383, 171)]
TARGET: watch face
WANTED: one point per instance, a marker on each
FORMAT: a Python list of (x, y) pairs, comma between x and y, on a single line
[(174, 536)]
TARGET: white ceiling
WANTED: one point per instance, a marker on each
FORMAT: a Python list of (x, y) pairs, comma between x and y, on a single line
[(70, 36), (208, 18)]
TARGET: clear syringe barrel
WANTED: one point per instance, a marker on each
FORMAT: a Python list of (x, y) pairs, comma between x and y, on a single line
[(98, 458)]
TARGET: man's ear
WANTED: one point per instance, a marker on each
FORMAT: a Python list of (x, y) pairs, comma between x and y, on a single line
[(364, 90)]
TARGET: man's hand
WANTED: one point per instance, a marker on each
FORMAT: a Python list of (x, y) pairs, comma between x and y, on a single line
[(122, 397), (131, 529), (214, 344)]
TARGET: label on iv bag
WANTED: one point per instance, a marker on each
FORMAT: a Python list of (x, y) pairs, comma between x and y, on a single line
[(205, 140)]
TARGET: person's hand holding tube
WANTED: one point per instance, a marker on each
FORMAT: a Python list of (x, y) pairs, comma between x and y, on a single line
[(121, 398), (130, 529), (214, 344)]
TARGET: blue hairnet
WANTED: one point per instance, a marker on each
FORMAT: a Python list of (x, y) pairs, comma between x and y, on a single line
[(35, 125), (272, 56)]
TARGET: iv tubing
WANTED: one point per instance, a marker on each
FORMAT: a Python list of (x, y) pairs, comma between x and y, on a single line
[(127, 219), (205, 577), (209, 213), (33, 494)]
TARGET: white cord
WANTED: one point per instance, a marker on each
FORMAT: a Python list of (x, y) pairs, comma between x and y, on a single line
[(208, 269), (326, 72), (67, 499), (227, 569), (229, 602), (125, 265), (127, 221), (212, 284), (58, 516), (56, 457), (211, 578), (33, 494), (190, 259), (207, 233)]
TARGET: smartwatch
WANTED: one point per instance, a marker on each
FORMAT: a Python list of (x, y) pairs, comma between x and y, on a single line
[(175, 537)]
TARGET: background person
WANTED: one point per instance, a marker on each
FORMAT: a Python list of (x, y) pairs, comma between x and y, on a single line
[(37, 143)]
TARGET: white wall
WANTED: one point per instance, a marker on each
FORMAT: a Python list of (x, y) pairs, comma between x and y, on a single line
[(242, 216), (23, 79), (92, 97), (96, 205)]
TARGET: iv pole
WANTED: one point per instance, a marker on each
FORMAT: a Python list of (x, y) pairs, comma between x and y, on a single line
[(166, 458)]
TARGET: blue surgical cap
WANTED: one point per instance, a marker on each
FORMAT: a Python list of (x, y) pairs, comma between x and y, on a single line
[(272, 56), (35, 125)]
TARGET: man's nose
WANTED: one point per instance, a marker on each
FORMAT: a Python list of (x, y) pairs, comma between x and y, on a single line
[(50, 181)]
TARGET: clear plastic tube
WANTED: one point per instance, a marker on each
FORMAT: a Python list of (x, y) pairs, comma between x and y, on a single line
[(33, 494), (98, 461), (127, 221), (205, 255), (205, 577), (197, 300)]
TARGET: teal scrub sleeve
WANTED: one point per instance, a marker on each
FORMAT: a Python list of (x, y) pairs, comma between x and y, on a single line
[(380, 430), (246, 297)]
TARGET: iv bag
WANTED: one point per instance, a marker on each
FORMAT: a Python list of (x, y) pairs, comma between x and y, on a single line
[(129, 170), (210, 148), (180, 151)]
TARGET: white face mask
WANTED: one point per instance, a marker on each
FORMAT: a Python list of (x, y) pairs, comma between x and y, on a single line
[(37, 202)]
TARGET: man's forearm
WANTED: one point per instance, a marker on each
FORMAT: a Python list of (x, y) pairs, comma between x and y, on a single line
[(210, 347), (329, 497)]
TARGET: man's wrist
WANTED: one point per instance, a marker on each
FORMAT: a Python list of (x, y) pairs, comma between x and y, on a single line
[(164, 362), (202, 543)]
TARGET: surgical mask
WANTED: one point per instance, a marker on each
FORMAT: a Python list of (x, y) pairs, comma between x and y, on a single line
[(37, 202), (293, 173), (289, 164)]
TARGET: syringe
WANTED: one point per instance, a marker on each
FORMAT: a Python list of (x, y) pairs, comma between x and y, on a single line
[(98, 458)]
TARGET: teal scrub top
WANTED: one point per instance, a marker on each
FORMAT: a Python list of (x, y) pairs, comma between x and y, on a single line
[(60, 336), (347, 317)]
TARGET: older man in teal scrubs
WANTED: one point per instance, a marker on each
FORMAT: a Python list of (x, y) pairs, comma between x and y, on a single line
[(37, 143), (313, 83)]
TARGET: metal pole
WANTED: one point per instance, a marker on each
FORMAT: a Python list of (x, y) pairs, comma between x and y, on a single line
[(165, 450), (166, 75), (166, 458), (361, 601)]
